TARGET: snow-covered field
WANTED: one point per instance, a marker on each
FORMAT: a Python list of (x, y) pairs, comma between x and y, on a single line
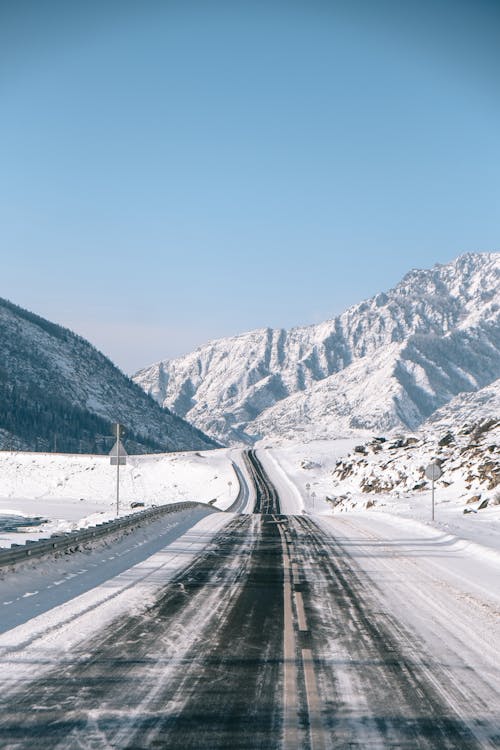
[(312, 472), (75, 491)]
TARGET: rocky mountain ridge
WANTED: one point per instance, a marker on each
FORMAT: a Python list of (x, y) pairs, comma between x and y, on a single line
[(387, 363), (469, 456)]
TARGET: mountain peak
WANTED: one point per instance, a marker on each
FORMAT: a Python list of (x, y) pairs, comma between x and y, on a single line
[(435, 334)]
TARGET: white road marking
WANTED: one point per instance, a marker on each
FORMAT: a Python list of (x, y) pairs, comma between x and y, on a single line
[(316, 727), (291, 734), (313, 702), (301, 615)]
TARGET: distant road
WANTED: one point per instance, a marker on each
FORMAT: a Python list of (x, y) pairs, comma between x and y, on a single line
[(273, 637), (267, 500)]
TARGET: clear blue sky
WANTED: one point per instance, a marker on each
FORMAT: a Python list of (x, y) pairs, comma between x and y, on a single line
[(172, 172)]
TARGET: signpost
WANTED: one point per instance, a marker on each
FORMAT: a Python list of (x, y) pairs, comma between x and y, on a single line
[(433, 472), (118, 457), (313, 495)]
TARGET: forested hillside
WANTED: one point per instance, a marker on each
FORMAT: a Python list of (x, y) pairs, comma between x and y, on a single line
[(58, 393)]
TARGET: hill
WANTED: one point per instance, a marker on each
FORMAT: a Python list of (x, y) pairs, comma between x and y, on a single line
[(57, 392)]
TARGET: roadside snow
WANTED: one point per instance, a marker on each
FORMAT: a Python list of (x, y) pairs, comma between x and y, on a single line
[(316, 464), (75, 491), (41, 642), (293, 466)]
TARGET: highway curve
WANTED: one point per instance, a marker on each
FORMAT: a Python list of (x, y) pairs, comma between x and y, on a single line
[(270, 639), (266, 495)]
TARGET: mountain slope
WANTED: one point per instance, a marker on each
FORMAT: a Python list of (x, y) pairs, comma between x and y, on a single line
[(398, 387), (399, 355), (467, 409), (58, 392), (463, 435)]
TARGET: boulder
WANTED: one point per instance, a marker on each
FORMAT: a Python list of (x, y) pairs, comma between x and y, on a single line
[(446, 440), (473, 499)]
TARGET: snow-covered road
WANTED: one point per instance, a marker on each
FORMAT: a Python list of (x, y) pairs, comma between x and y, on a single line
[(77, 600), (266, 630), (40, 585), (194, 656), (406, 627)]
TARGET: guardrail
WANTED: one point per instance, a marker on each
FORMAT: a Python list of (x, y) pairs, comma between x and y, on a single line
[(73, 539)]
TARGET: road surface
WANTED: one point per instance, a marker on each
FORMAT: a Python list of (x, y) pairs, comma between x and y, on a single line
[(272, 637)]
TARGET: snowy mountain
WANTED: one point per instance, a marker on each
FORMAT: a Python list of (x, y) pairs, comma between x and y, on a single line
[(397, 387), (58, 392), (463, 436), (386, 363), (467, 409)]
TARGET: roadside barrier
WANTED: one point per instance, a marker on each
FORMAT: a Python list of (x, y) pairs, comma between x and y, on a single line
[(71, 540)]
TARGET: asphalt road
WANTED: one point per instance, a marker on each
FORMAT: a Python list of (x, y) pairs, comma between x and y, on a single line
[(270, 639), (267, 499)]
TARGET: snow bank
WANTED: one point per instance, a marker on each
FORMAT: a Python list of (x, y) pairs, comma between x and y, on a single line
[(340, 473), (75, 491)]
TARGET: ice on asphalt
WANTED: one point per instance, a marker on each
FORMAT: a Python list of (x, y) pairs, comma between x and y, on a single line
[(441, 579), (41, 642)]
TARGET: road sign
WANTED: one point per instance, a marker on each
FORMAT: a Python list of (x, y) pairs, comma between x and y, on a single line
[(118, 454), (118, 460), (118, 457), (433, 471)]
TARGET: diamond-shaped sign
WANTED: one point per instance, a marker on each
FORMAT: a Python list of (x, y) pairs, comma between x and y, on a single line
[(118, 454)]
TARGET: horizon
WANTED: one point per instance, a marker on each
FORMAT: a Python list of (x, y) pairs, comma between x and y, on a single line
[(326, 320), (243, 333), (179, 174)]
